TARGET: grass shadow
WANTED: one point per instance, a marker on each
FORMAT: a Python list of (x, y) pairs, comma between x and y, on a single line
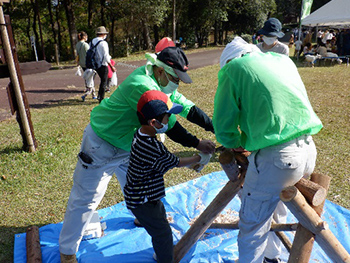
[(7, 240)]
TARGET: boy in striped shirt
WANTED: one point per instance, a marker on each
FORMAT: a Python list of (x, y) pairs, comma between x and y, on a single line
[(149, 161)]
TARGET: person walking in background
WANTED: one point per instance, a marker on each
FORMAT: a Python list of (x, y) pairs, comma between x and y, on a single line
[(82, 47), (103, 59), (110, 83), (261, 104), (297, 46), (271, 31)]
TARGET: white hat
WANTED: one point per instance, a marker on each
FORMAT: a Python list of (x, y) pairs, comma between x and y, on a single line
[(235, 49)]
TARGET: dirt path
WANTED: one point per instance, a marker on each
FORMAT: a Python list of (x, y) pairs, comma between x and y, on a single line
[(56, 85)]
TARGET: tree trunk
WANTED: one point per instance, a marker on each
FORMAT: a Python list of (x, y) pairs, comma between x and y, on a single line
[(34, 25), (71, 26), (49, 5), (59, 37), (102, 13), (40, 30), (174, 20), (156, 34), (111, 40), (90, 7), (216, 32), (146, 37)]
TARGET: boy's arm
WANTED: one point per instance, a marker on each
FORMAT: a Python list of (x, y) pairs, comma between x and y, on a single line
[(187, 161)]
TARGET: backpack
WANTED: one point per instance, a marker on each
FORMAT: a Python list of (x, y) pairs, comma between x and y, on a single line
[(90, 56)]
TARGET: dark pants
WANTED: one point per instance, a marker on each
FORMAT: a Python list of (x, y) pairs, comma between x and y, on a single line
[(103, 74), (152, 216)]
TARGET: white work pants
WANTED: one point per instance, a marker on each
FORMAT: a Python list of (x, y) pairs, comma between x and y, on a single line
[(90, 181), (270, 170)]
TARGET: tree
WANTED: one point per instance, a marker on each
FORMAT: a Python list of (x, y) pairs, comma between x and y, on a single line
[(68, 5)]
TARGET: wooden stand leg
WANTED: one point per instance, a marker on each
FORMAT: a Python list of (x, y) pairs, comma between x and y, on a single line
[(304, 239), (33, 245), (206, 218), (308, 218)]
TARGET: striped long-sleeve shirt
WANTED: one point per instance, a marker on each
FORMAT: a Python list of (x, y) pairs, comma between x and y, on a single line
[(149, 161)]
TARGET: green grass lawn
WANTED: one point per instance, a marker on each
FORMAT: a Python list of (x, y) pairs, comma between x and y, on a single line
[(35, 186)]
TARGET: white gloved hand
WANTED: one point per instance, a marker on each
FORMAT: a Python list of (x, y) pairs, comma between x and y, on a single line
[(205, 158)]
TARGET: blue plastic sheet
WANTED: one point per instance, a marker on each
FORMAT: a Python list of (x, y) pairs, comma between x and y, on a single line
[(124, 242)]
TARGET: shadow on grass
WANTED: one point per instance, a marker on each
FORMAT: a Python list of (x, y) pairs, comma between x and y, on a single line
[(7, 241), (9, 150), (62, 103)]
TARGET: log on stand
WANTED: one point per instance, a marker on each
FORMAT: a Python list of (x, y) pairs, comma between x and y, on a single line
[(304, 239), (308, 218)]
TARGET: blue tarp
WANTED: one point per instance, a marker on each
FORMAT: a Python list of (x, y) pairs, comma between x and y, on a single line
[(124, 242)]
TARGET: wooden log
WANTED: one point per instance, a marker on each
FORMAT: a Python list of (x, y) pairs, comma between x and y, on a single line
[(308, 218), (304, 239), (33, 245), (207, 217), (313, 192), (283, 237), (274, 227)]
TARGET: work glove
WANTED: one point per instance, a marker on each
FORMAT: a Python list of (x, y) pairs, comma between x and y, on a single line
[(205, 158)]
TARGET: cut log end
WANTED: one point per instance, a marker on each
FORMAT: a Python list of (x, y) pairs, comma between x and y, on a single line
[(319, 197), (288, 193)]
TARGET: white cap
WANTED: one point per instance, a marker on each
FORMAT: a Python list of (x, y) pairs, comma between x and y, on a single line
[(235, 49)]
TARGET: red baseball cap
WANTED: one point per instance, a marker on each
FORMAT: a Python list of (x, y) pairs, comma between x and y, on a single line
[(154, 103), (164, 43)]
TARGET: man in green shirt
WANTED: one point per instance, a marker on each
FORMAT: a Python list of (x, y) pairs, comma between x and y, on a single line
[(261, 105), (106, 144)]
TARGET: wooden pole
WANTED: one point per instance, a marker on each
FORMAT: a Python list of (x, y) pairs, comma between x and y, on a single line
[(274, 226), (304, 239), (33, 245), (308, 218), (206, 218), (15, 82)]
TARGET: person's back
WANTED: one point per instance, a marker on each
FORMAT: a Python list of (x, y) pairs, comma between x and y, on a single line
[(81, 48), (268, 79), (262, 106)]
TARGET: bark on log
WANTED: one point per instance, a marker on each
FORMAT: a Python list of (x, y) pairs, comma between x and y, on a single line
[(314, 193), (304, 239), (33, 245), (308, 218), (206, 218)]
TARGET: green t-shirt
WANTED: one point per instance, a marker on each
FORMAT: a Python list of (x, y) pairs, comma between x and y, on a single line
[(115, 119), (82, 47), (261, 101)]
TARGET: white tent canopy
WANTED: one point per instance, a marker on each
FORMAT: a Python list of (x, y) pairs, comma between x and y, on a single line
[(335, 12)]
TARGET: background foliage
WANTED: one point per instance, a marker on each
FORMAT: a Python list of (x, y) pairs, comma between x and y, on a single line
[(136, 25)]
